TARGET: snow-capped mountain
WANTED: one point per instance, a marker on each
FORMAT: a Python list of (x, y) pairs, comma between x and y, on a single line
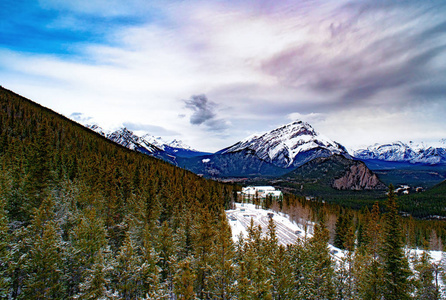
[(401, 152), (129, 140), (290, 145), (147, 143)]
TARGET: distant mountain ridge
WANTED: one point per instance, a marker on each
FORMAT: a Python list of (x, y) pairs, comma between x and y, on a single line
[(401, 152), (148, 144)]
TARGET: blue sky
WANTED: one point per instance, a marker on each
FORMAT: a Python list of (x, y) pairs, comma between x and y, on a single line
[(213, 72)]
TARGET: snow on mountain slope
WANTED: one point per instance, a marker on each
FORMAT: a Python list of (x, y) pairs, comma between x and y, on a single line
[(129, 140), (289, 145), (401, 152), (147, 143)]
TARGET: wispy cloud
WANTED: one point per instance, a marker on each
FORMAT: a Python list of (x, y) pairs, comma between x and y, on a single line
[(257, 64), (204, 112)]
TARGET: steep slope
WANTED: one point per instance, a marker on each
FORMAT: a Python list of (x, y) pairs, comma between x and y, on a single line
[(76, 207), (401, 152), (242, 163), (290, 145)]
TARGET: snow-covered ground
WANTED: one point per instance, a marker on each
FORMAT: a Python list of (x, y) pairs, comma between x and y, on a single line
[(287, 231)]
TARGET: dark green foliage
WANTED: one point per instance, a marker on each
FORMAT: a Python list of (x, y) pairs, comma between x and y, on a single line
[(5, 251), (426, 289), (344, 228), (426, 204), (395, 263)]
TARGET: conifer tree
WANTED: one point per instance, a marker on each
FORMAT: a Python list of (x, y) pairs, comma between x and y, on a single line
[(345, 286), (203, 236), (128, 270), (167, 249), (321, 279), (44, 261), (223, 274), (184, 281), (426, 288), (5, 254), (312, 267), (96, 282), (38, 174), (395, 263), (150, 271), (367, 264), (344, 226), (243, 283), (281, 276), (87, 238)]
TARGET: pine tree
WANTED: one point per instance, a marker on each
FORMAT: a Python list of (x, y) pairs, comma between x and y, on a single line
[(281, 277), (345, 286), (167, 249), (321, 278), (87, 239), (312, 267), (395, 263), (96, 281), (426, 288), (222, 279), (38, 175), (150, 271), (367, 264), (127, 270), (44, 261), (184, 281), (5, 252), (203, 239), (343, 228)]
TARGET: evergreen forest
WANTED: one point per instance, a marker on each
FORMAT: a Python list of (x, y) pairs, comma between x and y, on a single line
[(84, 218)]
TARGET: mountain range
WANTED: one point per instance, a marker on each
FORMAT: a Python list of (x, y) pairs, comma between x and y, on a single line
[(290, 148), (272, 153), (401, 152), (148, 144)]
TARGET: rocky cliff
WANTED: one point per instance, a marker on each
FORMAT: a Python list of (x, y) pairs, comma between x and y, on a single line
[(358, 177)]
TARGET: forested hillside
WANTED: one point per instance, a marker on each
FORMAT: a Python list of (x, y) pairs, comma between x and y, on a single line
[(84, 218)]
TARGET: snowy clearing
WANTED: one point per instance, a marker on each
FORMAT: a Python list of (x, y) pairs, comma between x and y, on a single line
[(287, 232)]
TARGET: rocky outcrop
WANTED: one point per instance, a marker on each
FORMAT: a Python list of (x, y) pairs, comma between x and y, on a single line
[(358, 177)]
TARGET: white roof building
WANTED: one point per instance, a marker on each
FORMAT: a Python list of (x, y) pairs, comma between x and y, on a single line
[(261, 191)]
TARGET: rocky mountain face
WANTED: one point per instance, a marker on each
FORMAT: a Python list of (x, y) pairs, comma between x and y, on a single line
[(337, 172), (358, 177), (401, 152), (290, 145)]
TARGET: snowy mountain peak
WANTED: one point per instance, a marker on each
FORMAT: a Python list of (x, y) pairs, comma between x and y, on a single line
[(147, 143), (289, 145), (401, 152), (179, 144)]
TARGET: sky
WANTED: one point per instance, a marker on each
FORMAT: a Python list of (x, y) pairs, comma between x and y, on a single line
[(213, 72)]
